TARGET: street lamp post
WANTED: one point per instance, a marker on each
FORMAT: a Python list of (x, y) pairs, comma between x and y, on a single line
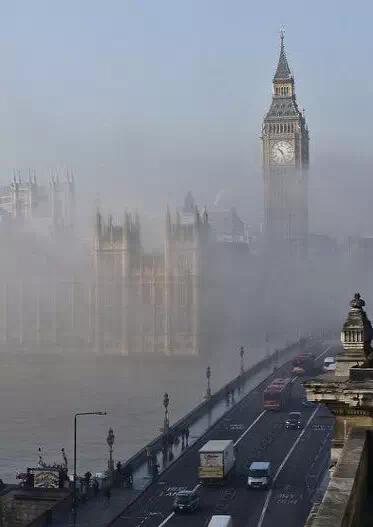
[(166, 421), (75, 475), (110, 441), (242, 367), (266, 343), (208, 377)]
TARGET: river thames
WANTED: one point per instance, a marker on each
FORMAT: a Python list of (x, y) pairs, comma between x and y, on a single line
[(41, 392)]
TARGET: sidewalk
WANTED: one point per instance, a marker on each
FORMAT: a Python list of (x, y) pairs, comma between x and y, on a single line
[(97, 512)]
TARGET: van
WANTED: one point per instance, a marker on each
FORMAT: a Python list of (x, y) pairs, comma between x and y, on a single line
[(221, 521), (259, 476), (329, 364)]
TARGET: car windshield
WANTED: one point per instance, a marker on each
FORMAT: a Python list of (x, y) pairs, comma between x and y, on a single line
[(294, 417), (184, 498), (258, 473)]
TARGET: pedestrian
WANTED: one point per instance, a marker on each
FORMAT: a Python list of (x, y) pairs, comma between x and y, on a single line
[(155, 470), (129, 475), (96, 487), (108, 494), (119, 475), (149, 458), (87, 481)]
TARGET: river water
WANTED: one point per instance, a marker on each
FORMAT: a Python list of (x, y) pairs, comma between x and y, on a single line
[(40, 393)]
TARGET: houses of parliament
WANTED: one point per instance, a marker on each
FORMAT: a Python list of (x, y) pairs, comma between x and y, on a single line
[(125, 300)]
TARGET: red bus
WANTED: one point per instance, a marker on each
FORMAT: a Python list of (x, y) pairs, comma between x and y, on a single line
[(277, 394), (303, 363)]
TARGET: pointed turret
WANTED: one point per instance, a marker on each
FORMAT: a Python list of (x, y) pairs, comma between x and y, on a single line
[(205, 216), (197, 218), (283, 71), (168, 223), (189, 203), (98, 223)]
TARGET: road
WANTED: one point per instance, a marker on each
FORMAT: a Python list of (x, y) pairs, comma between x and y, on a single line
[(297, 459)]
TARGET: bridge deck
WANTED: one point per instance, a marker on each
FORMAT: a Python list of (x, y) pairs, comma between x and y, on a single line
[(298, 459)]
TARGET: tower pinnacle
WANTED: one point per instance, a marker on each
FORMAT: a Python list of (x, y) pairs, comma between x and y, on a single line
[(283, 71)]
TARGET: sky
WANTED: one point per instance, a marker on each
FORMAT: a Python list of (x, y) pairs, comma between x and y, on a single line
[(147, 99)]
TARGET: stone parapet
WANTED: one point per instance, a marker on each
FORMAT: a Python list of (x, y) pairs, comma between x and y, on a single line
[(343, 501)]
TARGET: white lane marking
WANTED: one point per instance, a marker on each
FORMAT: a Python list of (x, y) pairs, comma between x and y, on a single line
[(235, 444), (250, 427), (166, 519), (269, 494), (323, 352)]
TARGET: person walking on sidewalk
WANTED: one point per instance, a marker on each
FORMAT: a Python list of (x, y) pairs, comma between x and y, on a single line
[(149, 458), (108, 495), (96, 488), (187, 435)]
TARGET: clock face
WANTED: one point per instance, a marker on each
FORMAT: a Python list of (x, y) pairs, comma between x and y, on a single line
[(282, 152)]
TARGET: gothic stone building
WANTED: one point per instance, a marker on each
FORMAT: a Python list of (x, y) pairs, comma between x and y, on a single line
[(285, 160), (150, 302), (24, 200)]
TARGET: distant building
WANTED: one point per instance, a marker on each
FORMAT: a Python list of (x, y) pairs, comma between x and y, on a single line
[(227, 226), (25, 201), (150, 302), (322, 246), (359, 249)]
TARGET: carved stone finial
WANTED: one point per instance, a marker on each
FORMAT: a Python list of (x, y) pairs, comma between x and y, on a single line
[(357, 302)]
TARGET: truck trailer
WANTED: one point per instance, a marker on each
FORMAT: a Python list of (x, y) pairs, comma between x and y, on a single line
[(216, 460)]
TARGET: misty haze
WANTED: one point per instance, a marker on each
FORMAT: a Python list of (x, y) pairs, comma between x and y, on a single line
[(185, 213)]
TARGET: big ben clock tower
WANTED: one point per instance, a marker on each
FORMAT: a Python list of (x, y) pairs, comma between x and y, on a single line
[(285, 161)]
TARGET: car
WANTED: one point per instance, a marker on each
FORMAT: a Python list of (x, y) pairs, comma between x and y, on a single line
[(186, 501), (308, 404), (329, 364), (293, 421), (259, 476)]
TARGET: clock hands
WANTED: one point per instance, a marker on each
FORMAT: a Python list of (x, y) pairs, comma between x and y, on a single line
[(282, 153)]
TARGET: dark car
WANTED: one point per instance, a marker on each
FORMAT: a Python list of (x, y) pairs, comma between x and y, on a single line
[(308, 404), (186, 501), (293, 421)]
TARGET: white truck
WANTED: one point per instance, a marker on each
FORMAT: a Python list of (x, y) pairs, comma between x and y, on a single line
[(216, 460)]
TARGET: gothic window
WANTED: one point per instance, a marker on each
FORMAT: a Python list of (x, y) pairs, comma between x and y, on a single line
[(182, 294), (158, 295), (147, 293), (183, 263)]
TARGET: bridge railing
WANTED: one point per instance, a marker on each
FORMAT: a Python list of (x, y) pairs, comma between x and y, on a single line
[(277, 358)]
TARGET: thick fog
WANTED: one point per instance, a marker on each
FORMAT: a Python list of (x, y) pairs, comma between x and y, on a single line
[(143, 102)]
